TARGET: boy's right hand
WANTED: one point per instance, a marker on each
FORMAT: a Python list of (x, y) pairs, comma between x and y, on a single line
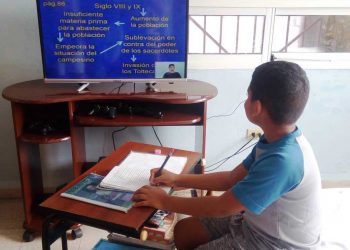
[(166, 178)]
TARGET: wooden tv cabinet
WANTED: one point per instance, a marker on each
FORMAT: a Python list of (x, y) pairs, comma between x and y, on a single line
[(181, 103)]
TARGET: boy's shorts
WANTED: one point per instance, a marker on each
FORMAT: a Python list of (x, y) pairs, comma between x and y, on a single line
[(225, 233), (233, 233)]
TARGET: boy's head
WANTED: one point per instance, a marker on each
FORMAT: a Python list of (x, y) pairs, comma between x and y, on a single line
[(171, 67), (282, 89)]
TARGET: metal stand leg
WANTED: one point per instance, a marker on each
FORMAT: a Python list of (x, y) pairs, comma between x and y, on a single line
[(46, 233), (64, 241), (53, 228)]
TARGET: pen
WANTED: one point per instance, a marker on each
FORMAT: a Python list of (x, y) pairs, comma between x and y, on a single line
[(158, 173)]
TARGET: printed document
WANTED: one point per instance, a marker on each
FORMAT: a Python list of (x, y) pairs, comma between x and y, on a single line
[(134, 171)]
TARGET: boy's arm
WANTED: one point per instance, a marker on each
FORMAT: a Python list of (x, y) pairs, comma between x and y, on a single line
[(220, 181), (207, 206)]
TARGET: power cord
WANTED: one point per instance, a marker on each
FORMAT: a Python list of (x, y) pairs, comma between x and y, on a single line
[(113, 133), (215, 116), (119, 87), (222, 161), (160, 143)]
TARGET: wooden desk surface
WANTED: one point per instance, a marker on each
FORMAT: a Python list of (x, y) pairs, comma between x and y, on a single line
[(180, 92), (113, 220)]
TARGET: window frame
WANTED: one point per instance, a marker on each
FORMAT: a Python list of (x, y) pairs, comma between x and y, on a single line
[(270, 10)]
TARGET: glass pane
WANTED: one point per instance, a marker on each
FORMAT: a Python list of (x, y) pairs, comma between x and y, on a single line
[(196, 35), (229, 31), (279, 33), (246, 34), (259, 34), (312, 34), (220, 35), (212, 38)]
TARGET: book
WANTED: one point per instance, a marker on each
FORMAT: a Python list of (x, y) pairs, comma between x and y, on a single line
[(158, 232), (122, 239), (103, 244), (134, 171), (87, 191), (160, 228)]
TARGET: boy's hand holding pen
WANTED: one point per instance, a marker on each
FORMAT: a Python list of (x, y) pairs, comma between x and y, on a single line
[(166, 178), (160, 176)]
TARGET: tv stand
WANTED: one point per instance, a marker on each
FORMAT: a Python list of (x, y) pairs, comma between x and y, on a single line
[(181, 103), (150, 87), (83, 86)]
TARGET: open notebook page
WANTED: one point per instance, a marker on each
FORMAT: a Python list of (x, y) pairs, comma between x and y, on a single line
[(134, 171)]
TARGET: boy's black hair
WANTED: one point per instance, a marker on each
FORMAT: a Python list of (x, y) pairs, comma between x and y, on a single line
[(171, 64), (283, 89)]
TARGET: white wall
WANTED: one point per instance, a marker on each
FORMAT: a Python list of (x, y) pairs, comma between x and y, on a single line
[(20, 60), (325, 120)]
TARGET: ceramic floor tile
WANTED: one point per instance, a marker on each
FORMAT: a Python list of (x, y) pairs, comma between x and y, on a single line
[(335, 234), (11, 213), (91, 236)]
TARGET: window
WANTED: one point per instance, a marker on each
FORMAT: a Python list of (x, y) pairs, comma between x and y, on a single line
[(314, 38), (229, 37), (226, 37), (324, 34), (226, 34)]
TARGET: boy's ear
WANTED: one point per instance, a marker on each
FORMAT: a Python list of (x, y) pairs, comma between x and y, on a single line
[(256, 108)]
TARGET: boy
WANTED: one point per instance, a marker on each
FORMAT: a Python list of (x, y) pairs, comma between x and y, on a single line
[(171, 73), (277, 186)]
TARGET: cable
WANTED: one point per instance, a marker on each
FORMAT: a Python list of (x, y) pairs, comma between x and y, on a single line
[(236, 153), (119, 87), (226, 159), (116, 131), (160, 143), (215, 116), (222, 161)]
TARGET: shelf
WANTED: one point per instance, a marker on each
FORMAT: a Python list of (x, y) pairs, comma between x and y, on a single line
[(45, 139), (170, 118), (61, 107)]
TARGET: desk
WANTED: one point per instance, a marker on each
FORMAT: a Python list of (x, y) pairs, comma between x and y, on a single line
[(69, 211), (182, 102)]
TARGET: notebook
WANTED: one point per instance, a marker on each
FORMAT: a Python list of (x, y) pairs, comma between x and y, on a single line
[(87, 190), (134, 171)]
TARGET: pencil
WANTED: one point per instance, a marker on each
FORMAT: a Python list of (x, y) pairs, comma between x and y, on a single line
[(159, 172)]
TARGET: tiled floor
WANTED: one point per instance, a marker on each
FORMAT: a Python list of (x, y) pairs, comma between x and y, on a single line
[(335, 236), (11, 217)]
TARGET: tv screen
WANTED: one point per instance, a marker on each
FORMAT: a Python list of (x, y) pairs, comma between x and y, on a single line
[(103, 40)]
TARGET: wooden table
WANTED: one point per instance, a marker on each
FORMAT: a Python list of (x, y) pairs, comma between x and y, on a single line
[(69, 211), (183, 103)]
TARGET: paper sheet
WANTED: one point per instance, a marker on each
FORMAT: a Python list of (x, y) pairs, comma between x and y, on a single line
[(134, 171)]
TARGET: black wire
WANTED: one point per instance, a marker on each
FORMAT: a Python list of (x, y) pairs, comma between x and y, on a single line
[(215, 116), (116, 131), (222, 161), (228, 157), (119, 87), (160, 143)]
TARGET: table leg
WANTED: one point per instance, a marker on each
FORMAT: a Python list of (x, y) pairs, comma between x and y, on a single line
[(54, 228)]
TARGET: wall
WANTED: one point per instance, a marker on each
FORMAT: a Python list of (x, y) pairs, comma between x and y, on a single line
[(20, 60), (325, 120)]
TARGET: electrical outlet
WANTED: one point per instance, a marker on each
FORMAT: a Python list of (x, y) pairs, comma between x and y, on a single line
[(254, 132)]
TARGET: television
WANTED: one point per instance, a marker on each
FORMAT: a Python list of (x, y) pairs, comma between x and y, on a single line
[(89, 41)]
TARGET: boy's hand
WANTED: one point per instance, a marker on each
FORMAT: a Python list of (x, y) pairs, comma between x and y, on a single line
[(166, 178), (149, 196)]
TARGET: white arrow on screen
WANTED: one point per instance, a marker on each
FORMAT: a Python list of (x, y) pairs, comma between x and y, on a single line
[(143, 12), (118, 23), (117, 44), (60, 38), (133, 58)]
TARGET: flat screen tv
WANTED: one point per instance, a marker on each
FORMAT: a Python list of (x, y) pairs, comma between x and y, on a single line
[(109, 40)]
